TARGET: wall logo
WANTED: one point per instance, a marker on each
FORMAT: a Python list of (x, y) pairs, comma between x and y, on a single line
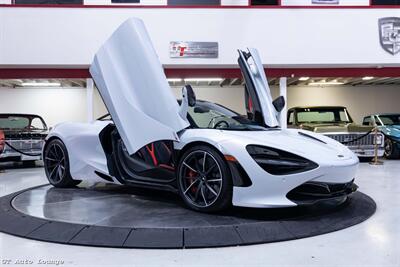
[(179, 49), (389, 34)]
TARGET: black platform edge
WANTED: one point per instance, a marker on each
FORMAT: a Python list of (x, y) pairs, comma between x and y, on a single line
[(18, 224)]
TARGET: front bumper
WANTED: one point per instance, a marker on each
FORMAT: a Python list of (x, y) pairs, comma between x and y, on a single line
[(368, 152), (15, 156), (312, 192)]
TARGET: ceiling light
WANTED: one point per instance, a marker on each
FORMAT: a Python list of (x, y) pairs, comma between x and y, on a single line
[(204, 79), (40, 84), (304, 78), (367, 78), (326, 83), (172, 80)]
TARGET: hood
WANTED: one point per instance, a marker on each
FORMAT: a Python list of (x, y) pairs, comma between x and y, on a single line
[(336, 127), (315, 147), (134, 88), (391, 130)]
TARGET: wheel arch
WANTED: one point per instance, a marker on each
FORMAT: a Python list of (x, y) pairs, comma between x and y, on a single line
[(239, 175), (197, 143)]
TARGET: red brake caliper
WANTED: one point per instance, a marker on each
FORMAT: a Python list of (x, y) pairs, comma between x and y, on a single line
[(192, 174)]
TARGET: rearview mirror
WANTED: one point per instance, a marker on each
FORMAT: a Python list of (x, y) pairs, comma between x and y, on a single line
[(279, 103)]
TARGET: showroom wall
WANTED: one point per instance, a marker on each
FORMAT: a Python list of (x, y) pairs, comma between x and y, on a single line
[(311, 37), (53, 104), (360, 100), (63, 104)]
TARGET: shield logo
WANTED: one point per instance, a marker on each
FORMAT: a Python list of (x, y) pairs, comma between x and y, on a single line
[(389, 34)]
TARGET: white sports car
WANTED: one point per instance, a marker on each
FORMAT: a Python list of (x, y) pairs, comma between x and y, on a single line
[(210, 155)]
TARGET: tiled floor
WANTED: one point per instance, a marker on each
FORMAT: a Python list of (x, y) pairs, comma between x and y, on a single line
[(375, 242)]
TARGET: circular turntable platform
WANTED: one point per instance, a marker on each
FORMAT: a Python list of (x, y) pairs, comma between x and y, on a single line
[(116, 216)]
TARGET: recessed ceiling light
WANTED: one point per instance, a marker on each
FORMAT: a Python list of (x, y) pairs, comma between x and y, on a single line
[(304, 78), (204, 79), (326, 83), (40, 84), (367, 78), (174, 79)]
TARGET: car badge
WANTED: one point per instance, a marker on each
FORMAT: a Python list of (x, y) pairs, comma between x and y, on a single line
[(389, 34)]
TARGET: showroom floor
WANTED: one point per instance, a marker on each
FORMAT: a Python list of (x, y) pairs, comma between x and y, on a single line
[(375, 242)]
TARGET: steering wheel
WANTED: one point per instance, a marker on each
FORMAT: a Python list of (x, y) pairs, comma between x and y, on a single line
[(211, 124), (220, 123)]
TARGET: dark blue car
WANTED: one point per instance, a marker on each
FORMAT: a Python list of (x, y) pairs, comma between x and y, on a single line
[(389, 125)]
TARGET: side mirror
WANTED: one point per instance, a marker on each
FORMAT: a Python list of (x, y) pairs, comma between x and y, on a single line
[(188, 100), (279, 103), (191, 96)]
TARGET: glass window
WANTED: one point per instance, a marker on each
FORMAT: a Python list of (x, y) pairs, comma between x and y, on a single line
[(212, 116), (385, 2), (291, 117), (367, 121), (13, 122), (194, 2), (264, 2), (390, 119), (323, 115), (37, 124), (49, 2)]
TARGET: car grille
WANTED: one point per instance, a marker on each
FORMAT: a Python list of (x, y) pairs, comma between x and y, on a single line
[(344, 138), (25, 145), (25, 141)]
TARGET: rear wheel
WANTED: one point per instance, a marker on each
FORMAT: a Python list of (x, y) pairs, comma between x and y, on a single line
[(204, 180), (391, 149), (56, 165)]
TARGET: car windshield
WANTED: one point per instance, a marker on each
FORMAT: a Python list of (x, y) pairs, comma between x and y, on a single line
[(213, 116), (21, 122), (323, 115), (390, 119)]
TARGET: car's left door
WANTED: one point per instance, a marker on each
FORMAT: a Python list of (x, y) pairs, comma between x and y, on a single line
[(134, 88)]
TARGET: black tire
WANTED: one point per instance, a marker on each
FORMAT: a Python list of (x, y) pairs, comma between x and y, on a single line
[(56, 165), (391, 149), (204, 187), (29, 163)]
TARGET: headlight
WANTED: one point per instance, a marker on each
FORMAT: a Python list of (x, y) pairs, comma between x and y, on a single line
[(379, 139), (279, 162)]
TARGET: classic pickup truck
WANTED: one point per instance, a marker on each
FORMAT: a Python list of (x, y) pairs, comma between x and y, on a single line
[(335, 122), (25, 133)]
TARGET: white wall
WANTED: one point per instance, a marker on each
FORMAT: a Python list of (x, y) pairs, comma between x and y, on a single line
[(58, 105), (53, 104), (69, 37)]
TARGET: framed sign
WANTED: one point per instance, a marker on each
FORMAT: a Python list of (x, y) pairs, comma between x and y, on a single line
[(188, 49)]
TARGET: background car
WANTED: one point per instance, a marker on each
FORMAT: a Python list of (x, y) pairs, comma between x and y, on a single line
[(24, 134), (336, 122), (389, 125)]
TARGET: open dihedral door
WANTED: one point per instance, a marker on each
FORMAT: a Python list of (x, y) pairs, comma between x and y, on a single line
[(134, 88), (259, 105)]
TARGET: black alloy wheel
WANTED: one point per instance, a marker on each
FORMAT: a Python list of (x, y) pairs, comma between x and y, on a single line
[(391, 149), (56, 165), (204, 180)]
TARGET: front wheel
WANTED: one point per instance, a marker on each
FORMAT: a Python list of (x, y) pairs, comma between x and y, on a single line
[(56, 165), (204, 180), (391, 149)]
